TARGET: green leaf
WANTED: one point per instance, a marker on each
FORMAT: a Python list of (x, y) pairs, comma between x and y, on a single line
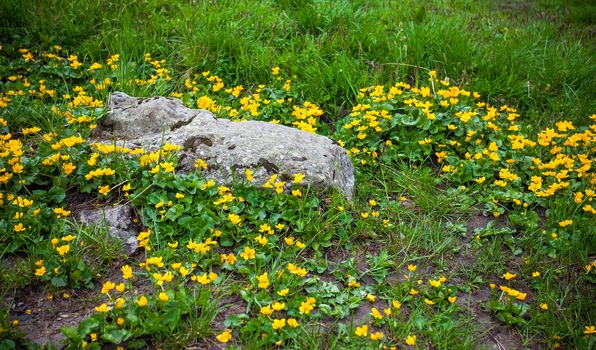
[(237, 320), (131, 317), (184, 220), (174, 212), (420, 322), (407, 120), (70, 333), (56, 194), (136, 344), (88, 325), (172, 316), (115, 336), (58, 282), (226, 241)]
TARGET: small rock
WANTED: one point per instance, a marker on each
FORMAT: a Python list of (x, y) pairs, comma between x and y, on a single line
[(118, 219)]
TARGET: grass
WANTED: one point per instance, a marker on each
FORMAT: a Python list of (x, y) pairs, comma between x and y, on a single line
[(100, 244), (544, 65), (411, 221)]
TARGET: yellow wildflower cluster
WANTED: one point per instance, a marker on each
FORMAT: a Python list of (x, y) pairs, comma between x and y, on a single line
[(198, 230)]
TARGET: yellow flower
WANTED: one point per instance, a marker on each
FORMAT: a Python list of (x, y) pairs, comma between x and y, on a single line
[(411, 340), (354, 284), (307, 306), (396, 304), (544, 306), (142, 301), (411, 268), (163, 296), (120, 303), (292, 322), (429, 302), (425, 141), (104, 190), (234, 219), (565, 223), (376, 336), (452, 299), (376, 314), (68, 168), (121, 287), (298, 271), (298, 178), (40, 271), (228, 259), (203, 279), (102, 308), (68, 238), (266, 228), (535, 274), (283, 292), (279, 187), (277, 306), (248, 253), (434, 283), (263, 280), (167, 167), (248, 174), (266, 310), (107, 287), (62, 250), (199, 163), (278, 323), (509, 276), (261, 240), (590, 330), (184, 271), (371, 298), (225, 336), (361, 331), (212, 276), (126, 272)]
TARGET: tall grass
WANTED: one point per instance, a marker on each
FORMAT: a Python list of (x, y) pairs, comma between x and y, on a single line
[(543, 64)]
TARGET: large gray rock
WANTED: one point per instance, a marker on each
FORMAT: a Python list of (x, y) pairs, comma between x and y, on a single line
[(229, 147)]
